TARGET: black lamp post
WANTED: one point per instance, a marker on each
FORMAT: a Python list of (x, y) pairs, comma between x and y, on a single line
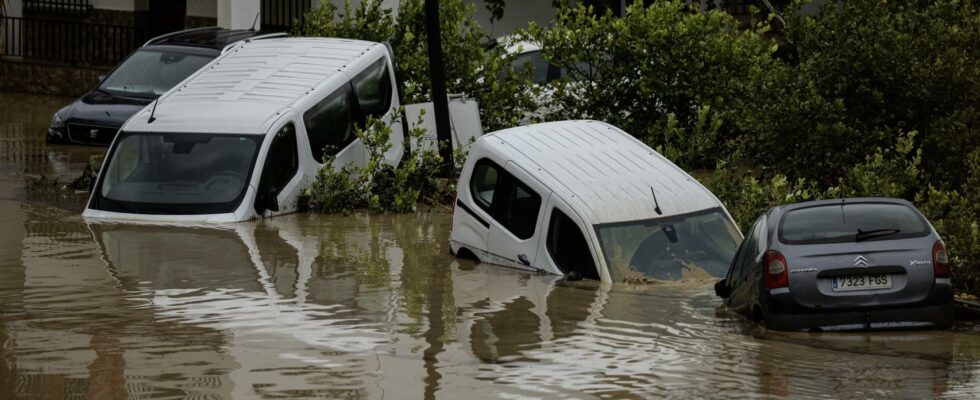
[(437, 75)]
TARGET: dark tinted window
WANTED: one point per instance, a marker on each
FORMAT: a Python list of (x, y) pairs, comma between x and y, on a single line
[(483, 183), (751, 249), (516, 206), (281, 163), (838, 223), (508, 200), (330, 123), (567, 246), (533, 61), (373, 89)]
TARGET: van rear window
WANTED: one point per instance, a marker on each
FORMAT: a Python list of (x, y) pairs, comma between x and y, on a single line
[(851, 222)]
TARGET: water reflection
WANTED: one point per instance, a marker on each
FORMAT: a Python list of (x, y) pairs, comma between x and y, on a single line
[(373, 306)]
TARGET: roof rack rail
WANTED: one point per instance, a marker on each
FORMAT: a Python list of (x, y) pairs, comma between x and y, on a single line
[(172, 34), (259, 37)]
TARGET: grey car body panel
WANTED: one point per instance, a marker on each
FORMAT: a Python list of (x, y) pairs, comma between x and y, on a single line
[(810, 301)]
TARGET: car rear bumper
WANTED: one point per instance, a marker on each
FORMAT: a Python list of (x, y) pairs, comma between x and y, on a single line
[(940, 316), (935, 311)]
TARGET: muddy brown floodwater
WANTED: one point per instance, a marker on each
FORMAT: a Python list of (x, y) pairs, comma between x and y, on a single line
[(373, 306)]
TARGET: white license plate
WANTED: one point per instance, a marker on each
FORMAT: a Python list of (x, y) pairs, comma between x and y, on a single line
[(862, 282)]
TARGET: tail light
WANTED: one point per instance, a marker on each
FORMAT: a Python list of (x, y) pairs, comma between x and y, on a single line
[(940, 261), (776, 270)]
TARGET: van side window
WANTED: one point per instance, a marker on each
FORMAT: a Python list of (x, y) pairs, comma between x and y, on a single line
[(508, 200), (373, 89), (483, 183), (330, 123), (281, 164), (516, 206), (567, 246), (750, 250)]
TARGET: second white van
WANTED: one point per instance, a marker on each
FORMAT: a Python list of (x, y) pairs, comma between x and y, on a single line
[(584, 198), (242, 137)]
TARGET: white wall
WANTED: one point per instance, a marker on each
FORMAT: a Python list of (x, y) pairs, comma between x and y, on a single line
[(392, 4), (202, 8), (239, 14), (120, 5), (14, 8), (517, 14)]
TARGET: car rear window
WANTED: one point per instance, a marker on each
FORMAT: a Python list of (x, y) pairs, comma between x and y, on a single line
[(850, 222)]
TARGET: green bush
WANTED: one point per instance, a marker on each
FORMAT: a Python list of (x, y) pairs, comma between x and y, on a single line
[(666, 73), (890, 172), (471, 68), (378, 186), (856, 73), (956, 215)]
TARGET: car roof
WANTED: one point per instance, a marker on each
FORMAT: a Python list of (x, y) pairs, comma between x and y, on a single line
[(603, 172), (523, 47), (778, 211), (208, 37), (244, 90)]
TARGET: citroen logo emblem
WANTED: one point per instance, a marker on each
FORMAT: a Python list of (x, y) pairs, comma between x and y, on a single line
[(93, 133), (860, 261)]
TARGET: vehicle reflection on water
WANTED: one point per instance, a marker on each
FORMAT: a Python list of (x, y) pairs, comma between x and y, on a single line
[(373, 306)]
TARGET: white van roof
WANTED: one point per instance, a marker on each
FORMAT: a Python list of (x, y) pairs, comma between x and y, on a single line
[(243, 90), (603, 172)]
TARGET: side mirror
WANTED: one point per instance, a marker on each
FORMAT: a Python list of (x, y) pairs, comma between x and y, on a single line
[(271, 199), (102, 77), (722, 290)]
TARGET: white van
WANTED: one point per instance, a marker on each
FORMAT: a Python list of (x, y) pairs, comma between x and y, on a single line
[(584, 197), (242, 137)]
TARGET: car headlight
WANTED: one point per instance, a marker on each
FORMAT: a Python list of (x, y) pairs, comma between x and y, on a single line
[(56, 122)]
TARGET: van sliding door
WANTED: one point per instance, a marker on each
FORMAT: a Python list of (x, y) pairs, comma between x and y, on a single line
[(515, 230)]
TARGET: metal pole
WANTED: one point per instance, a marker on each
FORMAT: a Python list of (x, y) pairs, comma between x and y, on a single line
[(437, 75)]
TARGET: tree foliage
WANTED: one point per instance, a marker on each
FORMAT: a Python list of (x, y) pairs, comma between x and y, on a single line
[(666, 72), (859, 71), (472, 67)]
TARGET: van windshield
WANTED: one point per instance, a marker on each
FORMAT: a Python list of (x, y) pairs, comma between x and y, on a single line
[(177, 173), (690, 246)]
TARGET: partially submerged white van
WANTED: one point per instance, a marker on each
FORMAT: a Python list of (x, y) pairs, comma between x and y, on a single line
[(586, 198), (242, 137)]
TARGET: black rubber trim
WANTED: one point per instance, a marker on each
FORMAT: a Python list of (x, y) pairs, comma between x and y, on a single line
[(469, 211), (890, 269)]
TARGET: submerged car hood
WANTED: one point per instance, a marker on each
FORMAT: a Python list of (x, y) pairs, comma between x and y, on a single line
[(105, 109)]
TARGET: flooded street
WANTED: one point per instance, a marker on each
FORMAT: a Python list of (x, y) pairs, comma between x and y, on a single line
[(373, 306)]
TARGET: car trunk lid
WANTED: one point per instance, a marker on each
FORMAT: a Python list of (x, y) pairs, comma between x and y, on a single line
[(861, 274)]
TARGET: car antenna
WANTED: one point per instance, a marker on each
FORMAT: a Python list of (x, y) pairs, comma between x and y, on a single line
[(153, 111), (254, 21), (843, 218), (656, 203)]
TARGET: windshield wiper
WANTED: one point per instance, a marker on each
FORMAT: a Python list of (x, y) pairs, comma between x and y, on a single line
[(874, 233)]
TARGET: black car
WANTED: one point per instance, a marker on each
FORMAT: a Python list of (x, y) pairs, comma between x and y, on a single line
[(143, 76), (844, 264)]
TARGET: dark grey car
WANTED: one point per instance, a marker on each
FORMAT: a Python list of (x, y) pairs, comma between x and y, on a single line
[(862, 263)]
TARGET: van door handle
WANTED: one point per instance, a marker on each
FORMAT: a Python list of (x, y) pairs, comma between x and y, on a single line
[(523, 259)]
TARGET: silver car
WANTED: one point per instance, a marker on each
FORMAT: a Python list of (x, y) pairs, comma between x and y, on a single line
[(843, 264)]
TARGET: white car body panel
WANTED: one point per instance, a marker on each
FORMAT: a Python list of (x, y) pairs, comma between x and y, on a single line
[(464, 121), (592, 171), (256, 88)]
